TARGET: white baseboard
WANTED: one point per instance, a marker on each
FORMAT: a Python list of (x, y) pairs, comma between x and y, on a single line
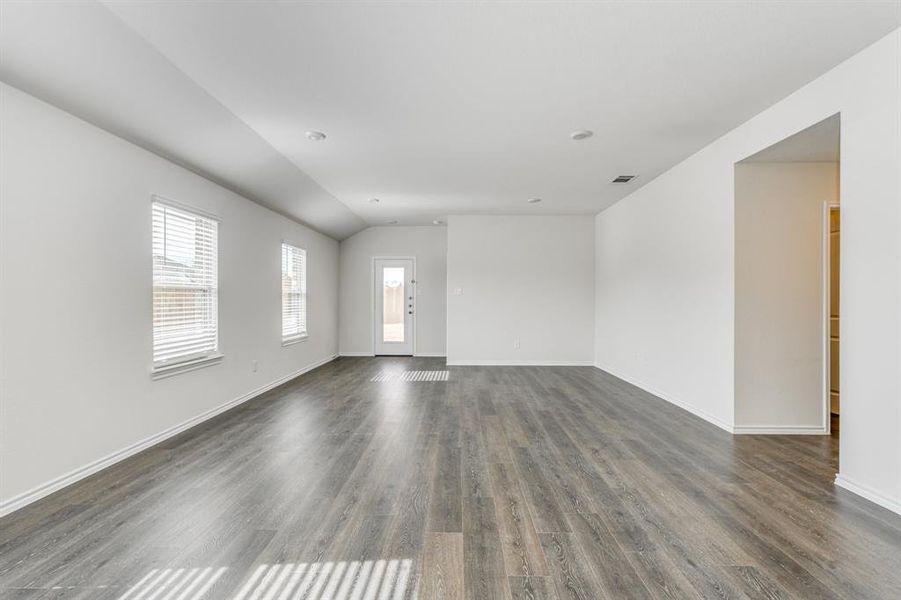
[(868, 493), (664, 396), (779, 430), (518, 363), (45, 489), (416, 355)]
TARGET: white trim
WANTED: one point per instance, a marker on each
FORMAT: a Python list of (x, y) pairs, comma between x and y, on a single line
[(826, 266), (681, 404), (45, 489), (780, 430), (295, 340), (417, 355), (518, 363), (868, 494), (164, 371)]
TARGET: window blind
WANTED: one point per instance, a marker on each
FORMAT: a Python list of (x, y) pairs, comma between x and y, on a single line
[(185, 285), (294, 292)]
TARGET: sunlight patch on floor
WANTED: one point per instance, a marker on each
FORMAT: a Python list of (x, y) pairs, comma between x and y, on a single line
[(412, 376), (337, 580), (353, 580), (174, 584)]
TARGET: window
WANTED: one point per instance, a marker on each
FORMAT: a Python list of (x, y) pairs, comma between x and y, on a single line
[(185, 286), (294, 293)]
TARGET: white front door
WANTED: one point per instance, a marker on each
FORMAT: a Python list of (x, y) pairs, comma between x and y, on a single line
[(394, 306)]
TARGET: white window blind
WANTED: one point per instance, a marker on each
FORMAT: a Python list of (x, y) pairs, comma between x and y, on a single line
[(185, 285), (294, 292)]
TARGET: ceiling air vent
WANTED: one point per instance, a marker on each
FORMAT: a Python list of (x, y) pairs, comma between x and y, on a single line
[(623, 179)]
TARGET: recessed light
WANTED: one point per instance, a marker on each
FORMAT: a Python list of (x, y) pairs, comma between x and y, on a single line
[(315, 136), (373, 200), (581, 134), (533, 200)]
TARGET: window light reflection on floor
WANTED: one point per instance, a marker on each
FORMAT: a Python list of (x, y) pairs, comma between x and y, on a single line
[(337, 580), (412, 376), (340, 580), (174, 584)]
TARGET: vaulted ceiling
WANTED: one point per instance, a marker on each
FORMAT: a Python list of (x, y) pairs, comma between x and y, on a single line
[(434, 108)]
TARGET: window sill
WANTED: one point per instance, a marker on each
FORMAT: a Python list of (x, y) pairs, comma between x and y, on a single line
[(183, 367), (295, 340)]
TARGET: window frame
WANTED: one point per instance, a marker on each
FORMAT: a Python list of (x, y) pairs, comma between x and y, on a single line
[(191, 362), (295, 338)]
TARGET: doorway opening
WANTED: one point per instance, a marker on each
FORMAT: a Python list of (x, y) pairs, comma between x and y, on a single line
[(394, 299), (787, 281)]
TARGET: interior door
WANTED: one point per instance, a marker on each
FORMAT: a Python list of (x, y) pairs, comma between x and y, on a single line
[(394, 306)]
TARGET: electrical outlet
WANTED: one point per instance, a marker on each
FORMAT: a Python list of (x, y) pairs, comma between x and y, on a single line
[(458, 291), (254, 365), (516, 344)]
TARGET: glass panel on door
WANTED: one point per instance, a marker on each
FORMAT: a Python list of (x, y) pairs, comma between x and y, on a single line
[(393, 304)]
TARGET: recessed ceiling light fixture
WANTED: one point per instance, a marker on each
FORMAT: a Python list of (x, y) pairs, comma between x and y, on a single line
[(533, 200), (581, 134), (315, 136), (373, 200)]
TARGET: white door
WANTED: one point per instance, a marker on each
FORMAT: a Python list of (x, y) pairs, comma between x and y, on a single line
[(394, 306)]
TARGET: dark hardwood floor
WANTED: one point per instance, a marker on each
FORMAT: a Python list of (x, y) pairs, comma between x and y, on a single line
[(502, 482)]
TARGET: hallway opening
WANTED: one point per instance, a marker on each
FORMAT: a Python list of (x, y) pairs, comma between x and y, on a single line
[(787, 264)]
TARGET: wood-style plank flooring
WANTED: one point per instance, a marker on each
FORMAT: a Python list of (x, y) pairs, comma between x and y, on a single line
[(502, 482)]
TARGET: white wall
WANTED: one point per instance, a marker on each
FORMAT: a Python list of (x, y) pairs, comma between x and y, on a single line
[(780, 212), (429, 246), (665, 267), (522, 278), (75, 293)]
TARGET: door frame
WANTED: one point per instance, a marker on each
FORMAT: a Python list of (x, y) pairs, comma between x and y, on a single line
[(828, 207), (372, 316)]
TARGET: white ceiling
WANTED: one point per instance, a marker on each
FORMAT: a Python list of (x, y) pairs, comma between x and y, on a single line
[(436, 108), (82, 58)]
